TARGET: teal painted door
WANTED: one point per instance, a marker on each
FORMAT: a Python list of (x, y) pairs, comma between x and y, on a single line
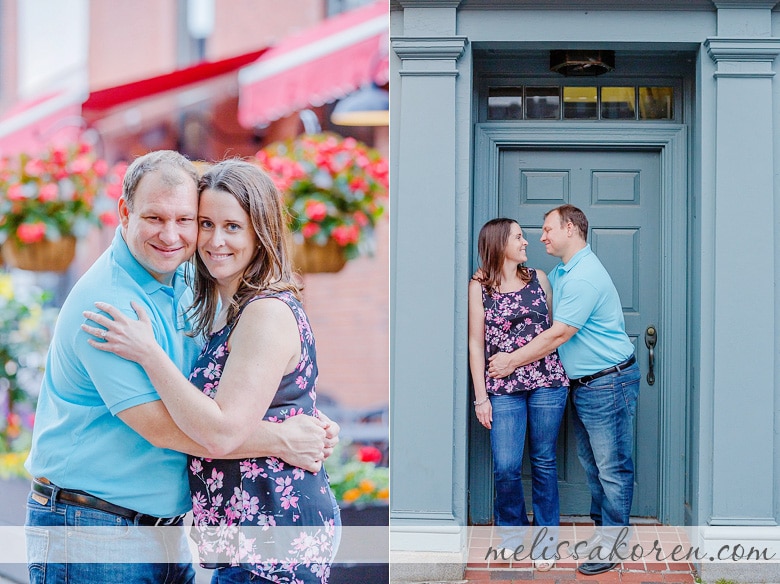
[(619, 191)]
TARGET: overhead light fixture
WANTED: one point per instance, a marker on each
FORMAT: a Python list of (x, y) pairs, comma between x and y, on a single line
[(368, 106), (582, 63)]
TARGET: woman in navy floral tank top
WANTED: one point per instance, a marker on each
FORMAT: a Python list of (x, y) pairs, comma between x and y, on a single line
[(509, 305), (258, 519)]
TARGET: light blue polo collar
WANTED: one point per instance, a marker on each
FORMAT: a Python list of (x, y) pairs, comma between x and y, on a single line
[(575, 259), (127, 261)]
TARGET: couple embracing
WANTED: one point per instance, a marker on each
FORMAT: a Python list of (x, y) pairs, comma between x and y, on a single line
[(534, 339)]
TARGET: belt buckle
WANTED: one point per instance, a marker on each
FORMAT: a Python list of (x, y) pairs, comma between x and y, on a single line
[(166, 521)]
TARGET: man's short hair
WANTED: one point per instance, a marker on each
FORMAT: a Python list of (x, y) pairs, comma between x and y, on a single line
[(171, 164), (575, 215)]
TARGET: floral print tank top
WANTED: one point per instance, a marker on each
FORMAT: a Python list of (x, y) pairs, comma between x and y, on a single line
[(239, 505), (511, 320)]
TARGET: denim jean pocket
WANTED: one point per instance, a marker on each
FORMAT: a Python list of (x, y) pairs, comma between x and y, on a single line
[(37, 540)]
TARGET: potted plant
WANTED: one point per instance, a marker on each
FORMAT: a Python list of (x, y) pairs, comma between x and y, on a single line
[(357, 480), (335, 190), (47, 201)]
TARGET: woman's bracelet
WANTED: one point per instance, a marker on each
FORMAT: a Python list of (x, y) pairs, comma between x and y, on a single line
[(479, 403)]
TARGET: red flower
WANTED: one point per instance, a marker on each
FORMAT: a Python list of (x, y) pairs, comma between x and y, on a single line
[(369, 454), (31, 232), (59, 156), (309, 230), (316, 210), (15, 193), (48, 192), (359, 184), (346, 234)]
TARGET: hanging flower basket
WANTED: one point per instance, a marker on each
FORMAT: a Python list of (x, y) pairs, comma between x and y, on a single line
[(311, 258), (47, 201), (334, 190), (40, 256)]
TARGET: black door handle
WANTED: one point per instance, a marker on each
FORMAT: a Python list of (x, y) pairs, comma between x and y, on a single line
[(651, 338)]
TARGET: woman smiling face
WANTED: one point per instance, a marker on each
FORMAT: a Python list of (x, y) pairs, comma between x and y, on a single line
[(516, 245), (227, 242)]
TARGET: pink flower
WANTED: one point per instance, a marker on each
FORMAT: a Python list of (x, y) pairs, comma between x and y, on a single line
[(59, 156), (316, 210), (48, 192), (358, 184), (31, 232), (309, 230), (346, 234), (15, 193)]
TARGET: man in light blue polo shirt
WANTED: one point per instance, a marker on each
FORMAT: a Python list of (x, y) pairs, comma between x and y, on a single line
[(105, 451), (589, 332)]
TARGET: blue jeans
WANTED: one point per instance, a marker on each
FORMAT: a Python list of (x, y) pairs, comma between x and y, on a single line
[(540, 411), (604, 412), (64, 541)]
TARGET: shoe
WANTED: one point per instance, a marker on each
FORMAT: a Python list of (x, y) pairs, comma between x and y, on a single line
[(596, 568), (541, 565)]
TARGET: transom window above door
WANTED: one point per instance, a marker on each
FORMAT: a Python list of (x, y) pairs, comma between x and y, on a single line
[(538, 102)]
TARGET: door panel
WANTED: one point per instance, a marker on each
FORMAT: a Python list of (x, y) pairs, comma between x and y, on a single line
[(619, 191)]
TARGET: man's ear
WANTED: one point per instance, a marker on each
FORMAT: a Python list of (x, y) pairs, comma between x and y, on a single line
[(124, 212)]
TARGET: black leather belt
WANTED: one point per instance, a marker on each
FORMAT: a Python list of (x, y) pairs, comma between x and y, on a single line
[(614, 369), (48, 490)]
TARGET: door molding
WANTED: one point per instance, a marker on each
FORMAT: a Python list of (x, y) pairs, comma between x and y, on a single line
[(671, 141)]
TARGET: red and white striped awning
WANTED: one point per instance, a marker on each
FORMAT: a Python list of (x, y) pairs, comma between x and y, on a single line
[(317, 66), (103, 100), (32, 125)]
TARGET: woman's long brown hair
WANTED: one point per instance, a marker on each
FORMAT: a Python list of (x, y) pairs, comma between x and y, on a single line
[(491, 245), (270, 269)]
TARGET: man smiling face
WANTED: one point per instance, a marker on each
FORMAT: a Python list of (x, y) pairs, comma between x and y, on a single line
[(160, 225)]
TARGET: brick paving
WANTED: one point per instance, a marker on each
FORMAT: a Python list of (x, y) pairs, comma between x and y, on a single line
[(651, 568)]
